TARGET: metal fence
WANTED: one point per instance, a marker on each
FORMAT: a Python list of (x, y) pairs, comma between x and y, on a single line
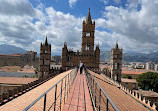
[(55, 97), (100, 99)]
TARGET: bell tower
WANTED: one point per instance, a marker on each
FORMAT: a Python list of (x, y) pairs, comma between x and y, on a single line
[(88, 29), (116, 63), (45, 57)]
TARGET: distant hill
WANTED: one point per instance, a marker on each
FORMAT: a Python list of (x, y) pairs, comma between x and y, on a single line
[(10, 49), (131, 57), (104, 55)]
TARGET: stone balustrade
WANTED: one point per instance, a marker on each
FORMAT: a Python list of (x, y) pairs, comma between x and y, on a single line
[(134, 94)]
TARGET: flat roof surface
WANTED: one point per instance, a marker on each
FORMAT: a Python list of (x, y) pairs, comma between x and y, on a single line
[(16, 74), (21, 102), (11, 54), (16, 80), (128, 80), (123, 101), (147, 93), (132, 72)]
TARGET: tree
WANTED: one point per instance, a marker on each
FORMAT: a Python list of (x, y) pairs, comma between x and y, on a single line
[(148, 81), (126, 76)]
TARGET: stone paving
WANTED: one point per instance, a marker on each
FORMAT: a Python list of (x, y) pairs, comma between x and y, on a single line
[(79, 97)]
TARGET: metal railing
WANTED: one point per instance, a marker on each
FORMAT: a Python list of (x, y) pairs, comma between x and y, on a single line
[(54, 97), (100, 100)]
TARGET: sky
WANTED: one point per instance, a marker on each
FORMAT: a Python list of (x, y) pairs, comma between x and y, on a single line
[(133, 23)]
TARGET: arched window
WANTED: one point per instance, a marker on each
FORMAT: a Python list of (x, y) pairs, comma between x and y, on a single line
[(69, 58), (88, 34), (87, 46), (117, 65)]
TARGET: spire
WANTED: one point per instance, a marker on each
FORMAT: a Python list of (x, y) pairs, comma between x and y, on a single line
[(88, 20), (97, 45), (41, 44), (46, 42), (116, 46), (65, 44)]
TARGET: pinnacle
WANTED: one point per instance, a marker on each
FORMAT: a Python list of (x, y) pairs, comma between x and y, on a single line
[(46, 42), (116, 46), (88, 20)]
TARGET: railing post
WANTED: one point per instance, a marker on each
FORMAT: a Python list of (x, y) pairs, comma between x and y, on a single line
[(93, 91), (91, 83), (61, 93), (44, 102), (69, 82), (55, 97), (65, 89), (95, 94), (67, 85), (107, 102), (99, 99)]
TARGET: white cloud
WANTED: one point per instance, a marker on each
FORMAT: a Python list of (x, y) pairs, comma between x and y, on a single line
[(72, 3), (104, 1), (135, 30), (27, 30), (137, 27), (16, 7)]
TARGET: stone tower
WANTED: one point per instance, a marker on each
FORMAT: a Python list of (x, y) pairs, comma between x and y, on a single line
[(97, 53), (64, 55), (45, 57), (88, 30), (116, 63), (88, 55)]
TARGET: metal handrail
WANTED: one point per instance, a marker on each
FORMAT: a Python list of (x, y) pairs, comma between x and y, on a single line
[(101, 90), (45, 93)]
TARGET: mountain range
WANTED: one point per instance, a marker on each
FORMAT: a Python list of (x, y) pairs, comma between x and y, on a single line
[(104, 55), (131, 57), (11, 49)]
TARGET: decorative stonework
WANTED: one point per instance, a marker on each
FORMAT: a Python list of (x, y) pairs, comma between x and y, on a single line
[(45, 57), (134, 94), (116, 63), (88, 55)]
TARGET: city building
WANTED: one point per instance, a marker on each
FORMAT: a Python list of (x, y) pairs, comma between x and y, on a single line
[(56, 58), (131, 84), (134, 74), (33, 55), (149, 95), (29, 58), (156, 67), (150, 66)]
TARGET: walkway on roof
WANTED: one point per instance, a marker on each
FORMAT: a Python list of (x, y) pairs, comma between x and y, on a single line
[(21, 102), (79, 97), (123, 101)]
